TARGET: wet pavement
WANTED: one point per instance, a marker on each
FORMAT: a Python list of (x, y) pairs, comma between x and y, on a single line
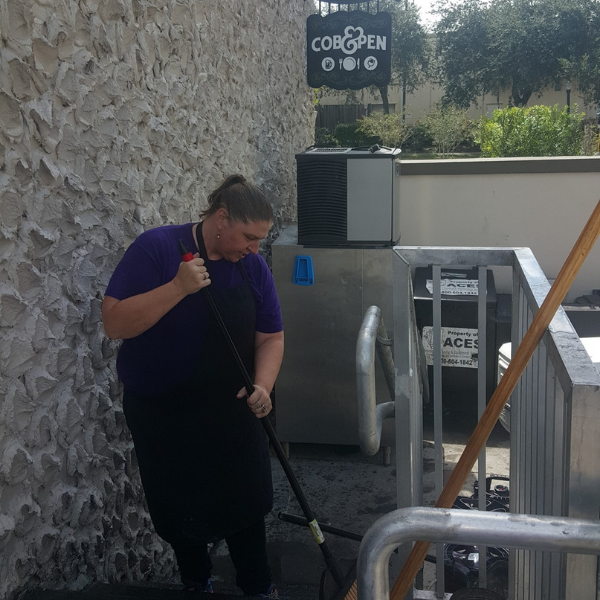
[(350, 491), (344, 488)]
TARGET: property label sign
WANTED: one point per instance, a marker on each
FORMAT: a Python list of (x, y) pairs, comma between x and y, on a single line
[(459, 347), (349, 50), (456, 287)]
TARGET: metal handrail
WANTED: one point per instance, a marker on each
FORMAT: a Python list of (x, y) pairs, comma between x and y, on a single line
[(532, 532), (553, 440), (371, 415)]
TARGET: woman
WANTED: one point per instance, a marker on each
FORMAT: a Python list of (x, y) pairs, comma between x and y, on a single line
[(202, 451)]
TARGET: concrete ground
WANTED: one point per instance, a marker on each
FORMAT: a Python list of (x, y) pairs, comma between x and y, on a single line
[(345, 489), (349, 491)]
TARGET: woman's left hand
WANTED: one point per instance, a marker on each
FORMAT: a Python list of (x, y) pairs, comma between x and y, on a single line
[(259, 402)]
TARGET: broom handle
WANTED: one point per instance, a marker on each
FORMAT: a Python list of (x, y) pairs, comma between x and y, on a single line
[(285, 464), (507, 384)]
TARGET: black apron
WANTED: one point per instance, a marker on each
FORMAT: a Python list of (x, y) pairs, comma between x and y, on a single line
[(203, 455)]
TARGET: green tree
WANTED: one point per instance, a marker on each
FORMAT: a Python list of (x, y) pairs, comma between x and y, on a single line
[(411, 47), (534, 131), (587, 70), (462, 51), (522, 45)]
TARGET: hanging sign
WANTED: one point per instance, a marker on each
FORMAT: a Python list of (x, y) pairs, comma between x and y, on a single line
[(349, 50)]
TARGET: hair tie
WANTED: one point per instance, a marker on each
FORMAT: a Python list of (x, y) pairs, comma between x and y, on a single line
[(237, 179)]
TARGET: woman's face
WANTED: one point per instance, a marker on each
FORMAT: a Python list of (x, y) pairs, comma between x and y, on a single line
[(238, 239)]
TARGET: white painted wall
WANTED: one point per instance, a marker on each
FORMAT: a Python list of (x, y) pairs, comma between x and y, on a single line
[(115, 116), (543, 211)]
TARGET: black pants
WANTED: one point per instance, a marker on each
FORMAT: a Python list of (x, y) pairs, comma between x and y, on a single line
[(248, 551)]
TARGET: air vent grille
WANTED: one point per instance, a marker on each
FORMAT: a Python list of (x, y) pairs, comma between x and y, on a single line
[(322, 202), (330, 150)]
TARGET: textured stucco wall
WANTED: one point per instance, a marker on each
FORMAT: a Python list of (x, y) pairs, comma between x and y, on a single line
[(115, 116)]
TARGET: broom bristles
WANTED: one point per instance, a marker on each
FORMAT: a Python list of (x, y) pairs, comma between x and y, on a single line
[(352, 593)]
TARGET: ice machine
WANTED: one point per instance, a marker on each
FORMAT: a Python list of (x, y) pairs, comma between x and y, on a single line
[(349, 196)]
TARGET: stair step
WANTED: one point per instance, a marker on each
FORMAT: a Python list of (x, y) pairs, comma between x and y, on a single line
[(105, 591), (135, 591)]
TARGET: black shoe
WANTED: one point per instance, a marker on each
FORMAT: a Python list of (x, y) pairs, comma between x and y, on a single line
[(195, 587), (271, 592)]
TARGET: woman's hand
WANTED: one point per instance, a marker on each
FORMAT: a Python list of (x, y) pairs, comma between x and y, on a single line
[(192, 276), (128, 318), (259, 402), (268, 354)]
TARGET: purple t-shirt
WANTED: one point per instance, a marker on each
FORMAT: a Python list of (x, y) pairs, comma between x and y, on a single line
[(162, 357)]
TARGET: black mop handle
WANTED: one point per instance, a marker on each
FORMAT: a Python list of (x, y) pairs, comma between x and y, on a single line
[(283, 516), (312, 522)]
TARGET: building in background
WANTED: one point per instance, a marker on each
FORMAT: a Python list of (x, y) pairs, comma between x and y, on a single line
[(424, 99)]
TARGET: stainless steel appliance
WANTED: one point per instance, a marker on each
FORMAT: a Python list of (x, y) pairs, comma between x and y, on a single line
[(349, 196), (316, 388)]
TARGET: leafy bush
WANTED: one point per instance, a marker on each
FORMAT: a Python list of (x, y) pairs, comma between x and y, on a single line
[(349, 135), (324, 138), (390, 129), (534, 131), (448, 127), (419, 139), (591, 140)]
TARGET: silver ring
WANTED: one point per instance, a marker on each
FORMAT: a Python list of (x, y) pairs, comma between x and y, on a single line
[(263, 408)]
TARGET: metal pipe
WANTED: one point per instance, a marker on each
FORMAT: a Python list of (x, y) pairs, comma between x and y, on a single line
[(532, 532), (482, 333), (438, 413), (370, 414), (386, 358)]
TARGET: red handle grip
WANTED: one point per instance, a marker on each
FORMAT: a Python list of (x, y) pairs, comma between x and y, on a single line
[(186, 255)]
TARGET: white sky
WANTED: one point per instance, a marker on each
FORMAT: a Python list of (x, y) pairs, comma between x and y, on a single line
[(425, 6)]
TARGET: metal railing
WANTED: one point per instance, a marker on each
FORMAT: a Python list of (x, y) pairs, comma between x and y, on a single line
[(373, 337), (559, 535), (555, 411)]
